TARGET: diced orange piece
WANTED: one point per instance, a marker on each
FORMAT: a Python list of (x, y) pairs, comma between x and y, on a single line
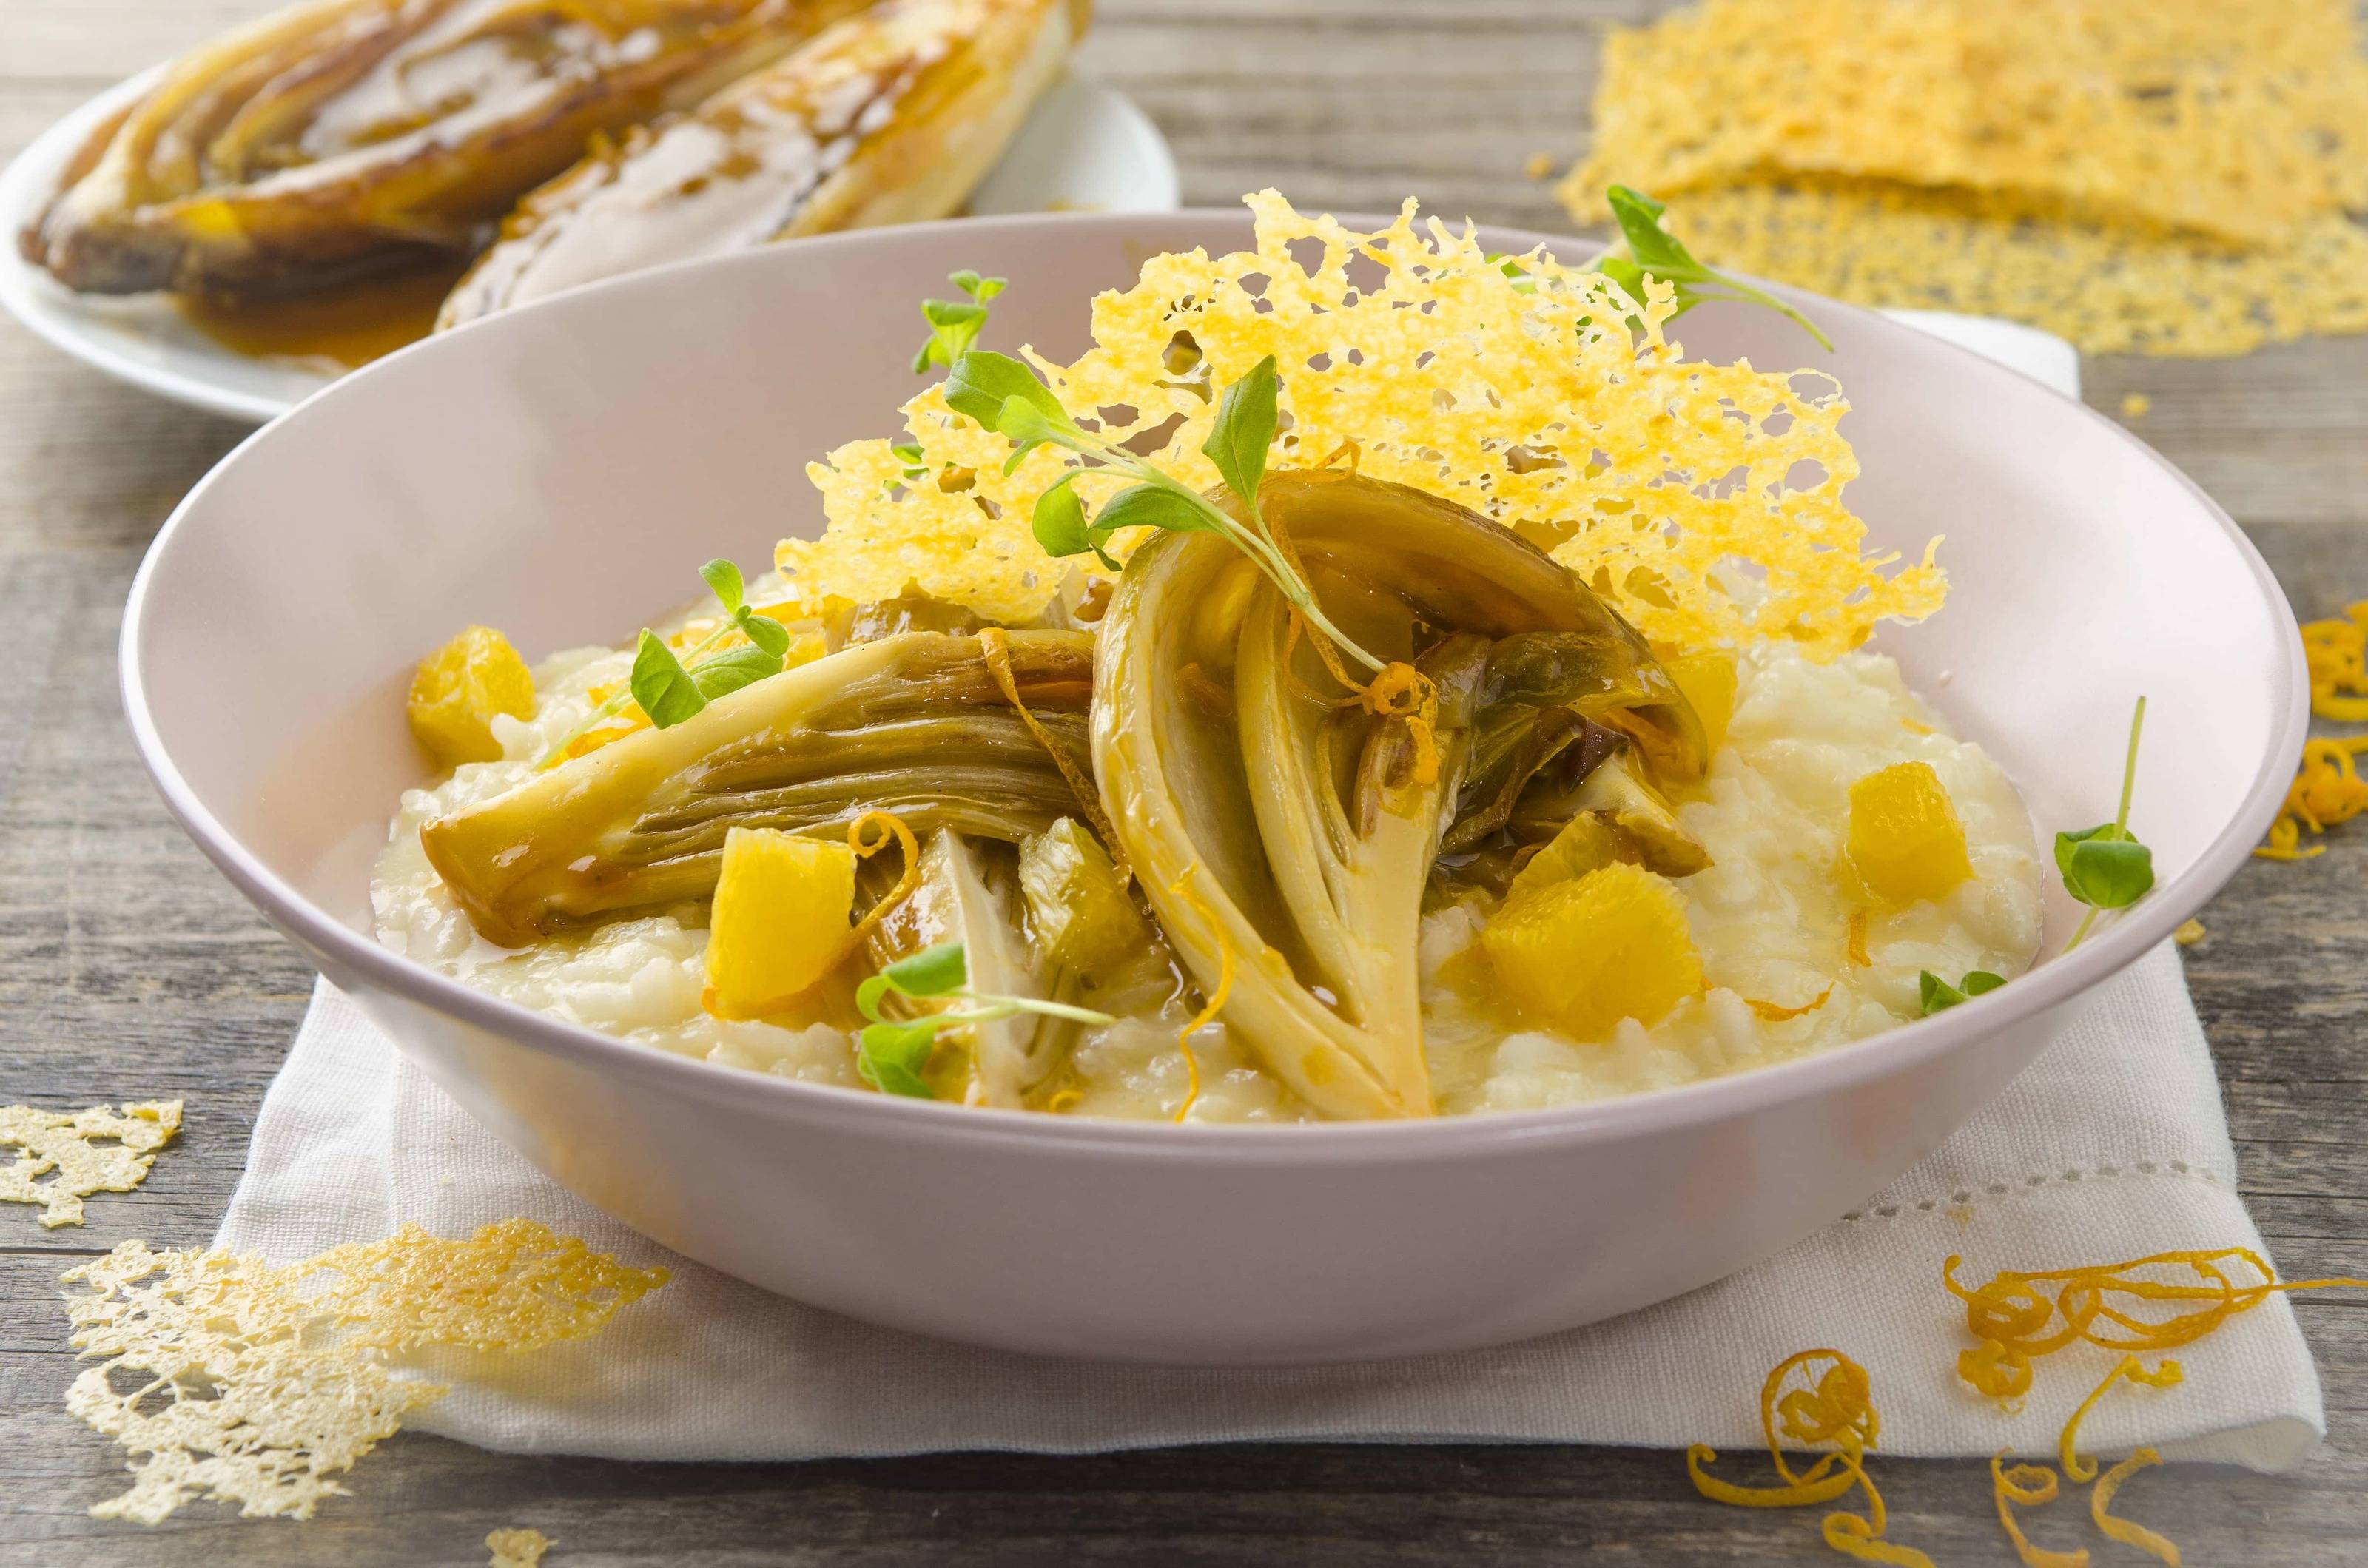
[(1904, 841), (1708, 680), (1586, 843), (1583, 955), (782, 904), (457, 690)]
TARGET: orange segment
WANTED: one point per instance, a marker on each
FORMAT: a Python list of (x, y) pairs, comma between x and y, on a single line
[(1707, 678), (781, 919), (1583, 955), (1904, 841), (457, 690)]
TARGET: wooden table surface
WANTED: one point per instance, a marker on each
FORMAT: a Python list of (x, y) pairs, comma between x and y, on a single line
[(130, 971)]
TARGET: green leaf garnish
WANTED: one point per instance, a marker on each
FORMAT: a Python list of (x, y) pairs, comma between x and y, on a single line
[(1937, 994), (892, 1053), (669, 689), (933, 971), (954, 324), (1007, 397), (981, 382), (763, 632), (1059, 521), (2105, 867), (1244, 430), (1148, 506), (727, 672), (722, 578), (891, 1058), (660, 683), (1654, 251)]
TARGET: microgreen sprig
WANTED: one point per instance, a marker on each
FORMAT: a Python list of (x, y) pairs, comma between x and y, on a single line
[(954, 323), (1653, 250), (2106, 867), (1007, 397), (1938, 996), (671, 689), (890, 1053)]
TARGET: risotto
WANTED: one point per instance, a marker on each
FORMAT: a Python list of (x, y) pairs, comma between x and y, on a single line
[(1223, 730), (1769, 915)]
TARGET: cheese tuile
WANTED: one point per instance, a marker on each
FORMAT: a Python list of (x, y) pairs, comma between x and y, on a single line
[(517, 1548), (2188, 116), (64, 1157), (1527, 400), (2170, 178), (228, 1377)]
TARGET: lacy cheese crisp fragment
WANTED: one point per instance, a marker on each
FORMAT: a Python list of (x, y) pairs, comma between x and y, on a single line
[(517, 1549), (1527, 398), (64, 1157), (2178, 176), (2110, 291), (2189, 114), (228, 1377)]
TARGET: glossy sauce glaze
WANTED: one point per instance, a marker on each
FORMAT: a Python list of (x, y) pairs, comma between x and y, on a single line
[(332, 331)]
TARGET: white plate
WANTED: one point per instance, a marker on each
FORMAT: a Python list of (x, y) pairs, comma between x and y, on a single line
[(1085, 147)]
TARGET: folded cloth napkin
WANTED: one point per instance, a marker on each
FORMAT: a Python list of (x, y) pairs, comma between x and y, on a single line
[(2111, 1146)]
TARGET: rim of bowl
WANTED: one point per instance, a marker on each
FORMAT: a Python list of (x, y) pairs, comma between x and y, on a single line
[(2054, 981)]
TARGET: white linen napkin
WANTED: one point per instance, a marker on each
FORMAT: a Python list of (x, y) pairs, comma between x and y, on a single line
[(2112, 1145)]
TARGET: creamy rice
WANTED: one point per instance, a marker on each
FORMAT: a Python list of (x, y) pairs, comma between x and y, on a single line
[(1769, 918)]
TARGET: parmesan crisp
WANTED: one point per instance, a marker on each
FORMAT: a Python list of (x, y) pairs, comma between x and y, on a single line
[(2195, 115), (64, 1157), (2171, 177), (228, 1377), (517, 1549), (1528, 399)]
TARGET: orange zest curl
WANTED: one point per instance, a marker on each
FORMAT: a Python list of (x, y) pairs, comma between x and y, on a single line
[(1776, 1015), (1857, 940), (1401, 691), (1836, 1408), (868, 835), (2145, 1304), (2100, 1499), (2015, 1320), (1323, 468), (2328, 787), (1181, 888), (2029, 1486), (1992, 1369), (2335, 652), (2165, 1374), (995, 649)]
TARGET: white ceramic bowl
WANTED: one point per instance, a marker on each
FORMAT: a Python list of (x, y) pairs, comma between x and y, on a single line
[(556, 470)]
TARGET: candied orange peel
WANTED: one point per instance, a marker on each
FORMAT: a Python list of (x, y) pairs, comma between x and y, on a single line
[(1836, 1407)]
